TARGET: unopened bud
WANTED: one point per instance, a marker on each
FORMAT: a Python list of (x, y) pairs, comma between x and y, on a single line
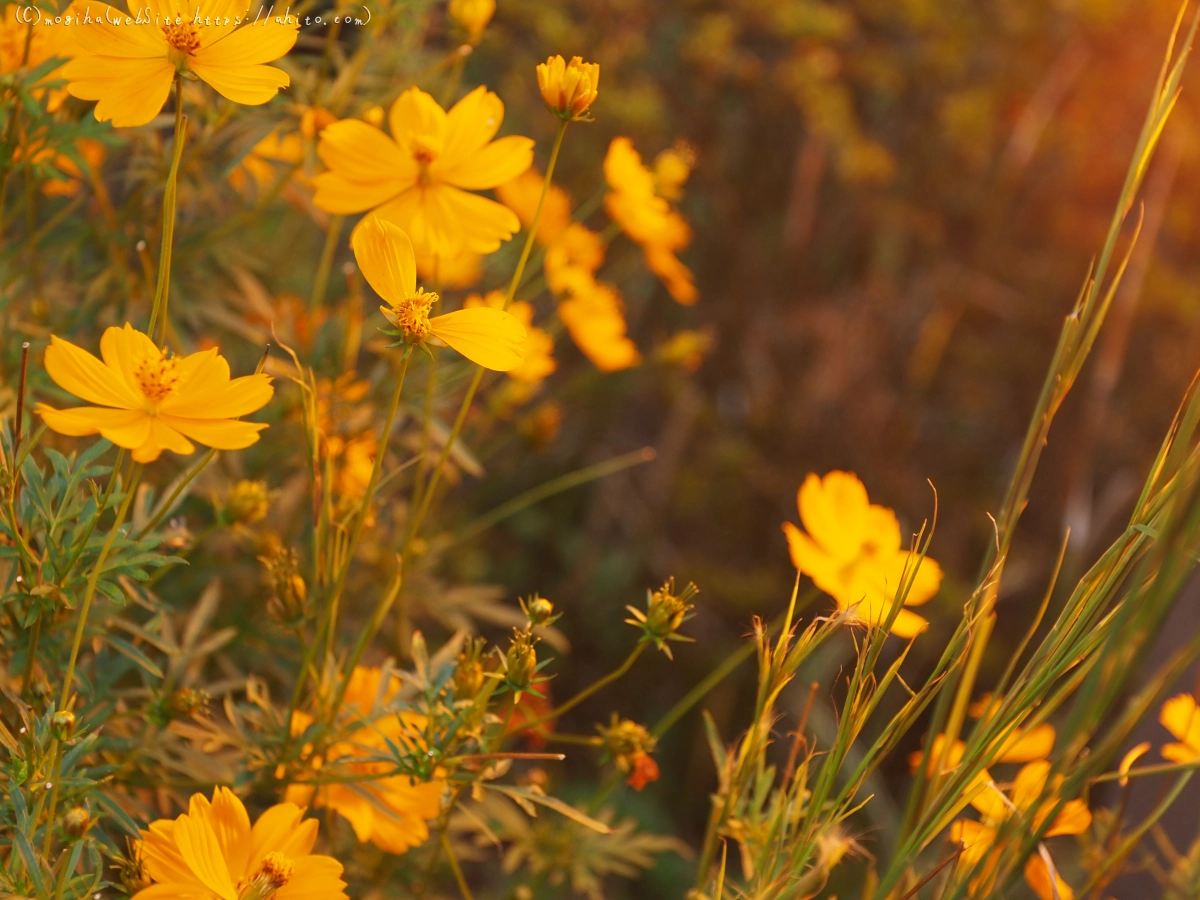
[(520, 663), (76, 821), (247, 503), (469, 673), (539, 611), (184, 702), (569, 88), (62, 725)]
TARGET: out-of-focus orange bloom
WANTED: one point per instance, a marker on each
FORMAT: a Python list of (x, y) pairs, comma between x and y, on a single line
[(595, 318), (538, 362), (521, 195), (43, 42)]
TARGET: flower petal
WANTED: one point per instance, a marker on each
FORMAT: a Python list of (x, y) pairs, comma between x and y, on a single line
[(417, 116), (248, 85), (495, 164), (231, 824), (85, 420), (220, 434), (834, 511), (248, 46), (314, 878), (282, 829), (130, 92), (1073, 818), (493, 338), (161, 437), (1181, 717), (202, 852), (1028, 745), (96, 35), (470, 124), (163, 860), (77, 371), (385, 257)]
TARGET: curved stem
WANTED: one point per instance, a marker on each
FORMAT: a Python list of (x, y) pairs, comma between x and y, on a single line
[(537, 216), (163, 288)]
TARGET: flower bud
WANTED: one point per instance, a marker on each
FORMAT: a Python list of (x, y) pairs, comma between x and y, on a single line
[(630, 745), (469, 673), (520, 663), (569, 89), (539, 611), (247, 503), (472, 15), (665, 612), (62, 725), (289, 593), (76, 821)]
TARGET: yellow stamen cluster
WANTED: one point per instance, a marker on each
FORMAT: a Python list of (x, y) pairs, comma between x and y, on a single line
[(182, 37), (158, 377), (569, 89), (411, 315), (276, 871)]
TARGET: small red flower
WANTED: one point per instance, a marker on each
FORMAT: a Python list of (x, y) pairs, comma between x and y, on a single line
[(645, 770)]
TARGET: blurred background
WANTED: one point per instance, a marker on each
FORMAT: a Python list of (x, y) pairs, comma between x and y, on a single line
[(894, 205)]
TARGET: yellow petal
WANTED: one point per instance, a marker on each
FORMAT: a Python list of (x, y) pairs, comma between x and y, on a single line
[(1181, 717), (231, 824), (200, 850), (1038, 877), (75, 370), (281, 829), (1027, 746), (1179, 753), (161, 437), (834, 511), (1029, 784), (675, 276), (248, 46), (99, 37), (385, 257), (162, 857), (220, 434), (975, 837), (174, 891), (908, 624), (1073, 818), (130, 92), (416, 116), (492, 338), (248, 85), (1129, 759), (314, 878), (498, 162), (470, 124), (989, 799), (124, 351), (128, 428)]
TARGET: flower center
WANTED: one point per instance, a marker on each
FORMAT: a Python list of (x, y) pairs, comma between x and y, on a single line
[(158, 377), (276, 871), (425, 151), (183, 38), (412, 315)]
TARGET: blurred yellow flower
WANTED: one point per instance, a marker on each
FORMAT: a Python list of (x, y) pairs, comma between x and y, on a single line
[(521, 196), (672, 168), (212, 851), (852, 551), (1022, 800), (1181, 717), (472, 15), (594, 316), (635, 204), (1127, 761), (390, 811), (259, 165), (538, 348), (420, 178), (129, 65), (490, 337), (573, 258), (43, 42), (569, 88), (149, 401), (452, 273)]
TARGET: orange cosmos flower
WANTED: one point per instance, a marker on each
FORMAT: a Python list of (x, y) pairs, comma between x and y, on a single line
[(390, 811), (211, 852), (595, 317), (1181, 717), (149, 401), (493, 338), (420, 178), (128, 64), (852, 551)]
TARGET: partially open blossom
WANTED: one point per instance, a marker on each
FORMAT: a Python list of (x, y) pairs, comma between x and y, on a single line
[(390, 810), (129, 67), (421, 178), (666, 610), (491, 337), (569, 88), (212, 851), (630, 745), (149, 401), (852, 551)]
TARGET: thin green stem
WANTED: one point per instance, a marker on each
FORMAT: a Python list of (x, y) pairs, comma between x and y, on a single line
[(162, 291), (537, 216), (167, 505), (455, 868), (596, 685), (325, 265)]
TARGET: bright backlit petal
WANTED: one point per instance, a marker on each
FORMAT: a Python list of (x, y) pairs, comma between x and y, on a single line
[(235, 398), (908, 624), (85, 420), (1038, 877), (163, 859), (1129, 759), (1029, 784), (122, 42), (313, 878), (1027, 746), (833, 510), (493, 338), (416, 117), (470, 124), (161, 437), (124, 350), (252, 45), (1181, 717), (77, 371), (200, 850), (975, 837), (1073, 818), (231, 824), (385, 257), (282, 829)]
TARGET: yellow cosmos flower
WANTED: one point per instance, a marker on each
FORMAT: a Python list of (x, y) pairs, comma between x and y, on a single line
[(453, 273), (421, 177), (43, 42), (1024, 800), (538, 348), (211, 852), (521, 195), (634, 203), (1181, 717), (128, 64), (390, 811), (148, 401), (259, 166), (490, 337), (852, 551), (595, 318), (569, 88)]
